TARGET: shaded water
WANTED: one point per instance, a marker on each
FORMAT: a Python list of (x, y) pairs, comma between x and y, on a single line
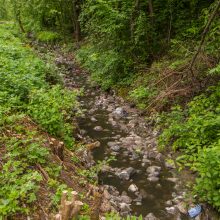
[(156, 193)]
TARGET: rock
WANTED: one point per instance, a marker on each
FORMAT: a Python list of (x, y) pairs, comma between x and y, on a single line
[(145, 160), (152, 154), (171, 210), (126, 199), (174, 180), (120, 112), (159, 157), (182, 207), (110, 108), (124, 207), (93, 119), (112, 190), (114, 146), (139, 198), (153, 169), (153, 173), (169, 203), (158, 186), (126, 173), (150, 216), (82, 132), (153, 179), (106, 168), (98, 128), (133, 188), (105, 207)]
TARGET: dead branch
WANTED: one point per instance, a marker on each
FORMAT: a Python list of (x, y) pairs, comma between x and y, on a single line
[(43, 172)]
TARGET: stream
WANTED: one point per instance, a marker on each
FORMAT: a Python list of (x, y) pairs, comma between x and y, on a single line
[(139, 181), (138, 174)]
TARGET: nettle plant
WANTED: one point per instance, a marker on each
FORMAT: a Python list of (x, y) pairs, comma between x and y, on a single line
[(53, 109)]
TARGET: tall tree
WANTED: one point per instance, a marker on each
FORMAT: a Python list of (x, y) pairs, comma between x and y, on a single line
[(76, 13)]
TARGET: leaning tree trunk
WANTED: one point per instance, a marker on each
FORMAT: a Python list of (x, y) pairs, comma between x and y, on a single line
[(204, 34)]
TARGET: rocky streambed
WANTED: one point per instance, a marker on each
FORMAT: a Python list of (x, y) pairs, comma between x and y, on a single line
[(139, 181)]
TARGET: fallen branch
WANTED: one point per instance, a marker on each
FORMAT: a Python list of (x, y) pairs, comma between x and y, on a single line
[(43, 172)]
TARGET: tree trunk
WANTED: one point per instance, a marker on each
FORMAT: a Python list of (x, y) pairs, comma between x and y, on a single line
[(76, 13), (18, 17), (151, 10)]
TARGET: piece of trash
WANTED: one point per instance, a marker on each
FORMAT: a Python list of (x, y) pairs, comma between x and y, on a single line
[(195, 211)]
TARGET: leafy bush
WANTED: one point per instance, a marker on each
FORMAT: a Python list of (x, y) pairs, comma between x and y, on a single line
[(140, 93), (200, 127), (108, 67), (24, 90), (18, 181), (196, 132), (52, 109), (48, 36), (208, 182)]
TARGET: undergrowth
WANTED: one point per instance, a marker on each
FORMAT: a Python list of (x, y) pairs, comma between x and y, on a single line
[(195, 131), (31, 109)]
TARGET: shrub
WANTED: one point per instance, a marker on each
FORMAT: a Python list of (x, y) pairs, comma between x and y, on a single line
[(196, 132), (48, 36), (52, 109), (208, 182)]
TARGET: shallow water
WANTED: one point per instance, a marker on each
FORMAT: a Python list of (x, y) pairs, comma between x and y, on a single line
[(156, 193)]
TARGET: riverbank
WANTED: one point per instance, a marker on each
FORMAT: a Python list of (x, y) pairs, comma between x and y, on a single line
[(40, 160)]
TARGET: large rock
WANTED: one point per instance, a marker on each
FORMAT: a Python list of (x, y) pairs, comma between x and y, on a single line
[(150, 216), (153, 179), (98, 128), (93, 119), (114, 146), (153, 171), (120, 112), (133, 188), (126, 173), (124, 207), (171, 210), (126, 199)]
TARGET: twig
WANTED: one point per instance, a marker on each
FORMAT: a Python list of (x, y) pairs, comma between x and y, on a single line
[(43, 172)]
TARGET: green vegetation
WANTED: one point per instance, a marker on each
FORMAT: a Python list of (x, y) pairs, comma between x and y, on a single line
[(195, 132), (26, 98), (48, 36), (163, 56)]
